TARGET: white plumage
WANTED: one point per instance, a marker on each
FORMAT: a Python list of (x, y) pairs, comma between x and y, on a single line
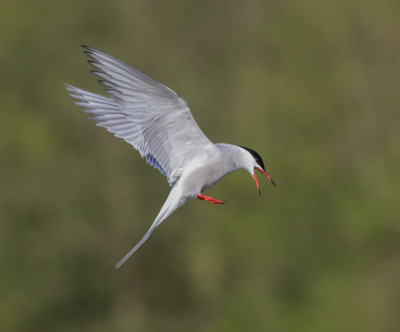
[(158, 123)]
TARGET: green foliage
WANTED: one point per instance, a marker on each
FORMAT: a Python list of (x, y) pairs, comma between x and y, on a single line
[(312, 86)]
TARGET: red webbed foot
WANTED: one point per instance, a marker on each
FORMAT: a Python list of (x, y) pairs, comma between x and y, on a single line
[(210, 199)]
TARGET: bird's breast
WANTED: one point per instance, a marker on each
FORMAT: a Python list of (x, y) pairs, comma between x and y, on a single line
[(204, 172), (205, 176)]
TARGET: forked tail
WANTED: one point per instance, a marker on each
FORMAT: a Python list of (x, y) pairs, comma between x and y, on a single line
[(158, 221), (173, 202)]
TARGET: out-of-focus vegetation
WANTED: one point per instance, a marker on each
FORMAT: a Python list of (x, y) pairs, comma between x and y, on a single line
[(313, 86)]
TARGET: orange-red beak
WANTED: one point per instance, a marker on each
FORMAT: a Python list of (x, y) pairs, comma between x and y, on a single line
[(266, 174)]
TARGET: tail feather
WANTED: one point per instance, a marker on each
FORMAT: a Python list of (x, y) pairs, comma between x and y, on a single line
[(144, 238), (173, 202)]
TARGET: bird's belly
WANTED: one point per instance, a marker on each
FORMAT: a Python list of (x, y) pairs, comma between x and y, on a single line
[(203, 177), (213, 180), (207, 185), (209, 179), (198, 180)]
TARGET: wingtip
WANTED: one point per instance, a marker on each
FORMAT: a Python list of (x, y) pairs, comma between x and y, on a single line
[(69, 87), (90, 52)]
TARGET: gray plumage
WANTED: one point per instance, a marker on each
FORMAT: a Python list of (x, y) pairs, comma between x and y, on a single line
[(158, 123)]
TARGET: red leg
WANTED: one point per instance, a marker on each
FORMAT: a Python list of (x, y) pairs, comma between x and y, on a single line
[(210, 199)]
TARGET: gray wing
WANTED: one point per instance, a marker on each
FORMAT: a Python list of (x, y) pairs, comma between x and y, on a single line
[(145, 113)]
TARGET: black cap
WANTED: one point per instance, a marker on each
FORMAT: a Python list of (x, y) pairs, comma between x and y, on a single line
[(255, 155)]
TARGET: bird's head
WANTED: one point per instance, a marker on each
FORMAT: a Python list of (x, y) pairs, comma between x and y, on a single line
[(256, 163)]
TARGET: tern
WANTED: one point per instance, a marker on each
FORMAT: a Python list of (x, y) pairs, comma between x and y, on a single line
[(158, 123)]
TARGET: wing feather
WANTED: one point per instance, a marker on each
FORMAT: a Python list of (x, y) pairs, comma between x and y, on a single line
[(145, 113)]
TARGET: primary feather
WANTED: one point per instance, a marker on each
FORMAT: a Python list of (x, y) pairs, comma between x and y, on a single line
[(143, 112)]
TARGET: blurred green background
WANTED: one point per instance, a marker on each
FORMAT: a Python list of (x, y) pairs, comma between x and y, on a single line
[(313, 86)]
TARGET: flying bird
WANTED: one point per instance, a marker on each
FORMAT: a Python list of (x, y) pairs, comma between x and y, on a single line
[(158, 123)]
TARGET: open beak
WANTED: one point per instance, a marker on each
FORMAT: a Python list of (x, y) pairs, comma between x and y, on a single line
[(266, 174)]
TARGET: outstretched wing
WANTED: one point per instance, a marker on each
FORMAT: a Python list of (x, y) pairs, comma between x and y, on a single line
[(143, 112)]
